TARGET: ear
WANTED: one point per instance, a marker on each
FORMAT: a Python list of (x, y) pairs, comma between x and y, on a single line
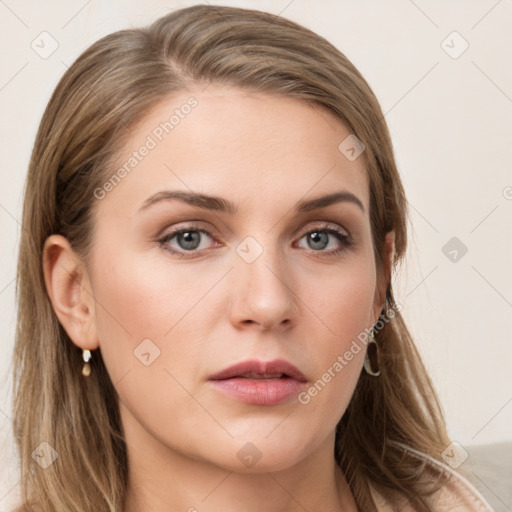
[(68, 287), (383, 280)]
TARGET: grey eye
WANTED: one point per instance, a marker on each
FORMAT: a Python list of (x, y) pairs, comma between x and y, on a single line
[(188, 240), (319, 239)]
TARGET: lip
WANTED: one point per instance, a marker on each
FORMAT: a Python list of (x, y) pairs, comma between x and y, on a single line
[(261, 367), (260, 391)]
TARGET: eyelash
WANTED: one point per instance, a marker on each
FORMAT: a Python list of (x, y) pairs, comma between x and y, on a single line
[(345, 240)]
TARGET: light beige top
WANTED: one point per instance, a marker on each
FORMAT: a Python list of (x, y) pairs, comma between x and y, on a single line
[(457, 495)]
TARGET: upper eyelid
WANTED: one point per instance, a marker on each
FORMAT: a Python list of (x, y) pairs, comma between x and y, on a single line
[(190, 226), (201, 226)]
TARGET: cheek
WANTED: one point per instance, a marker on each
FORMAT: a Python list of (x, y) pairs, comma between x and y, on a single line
[(138, 299), (342, 299), (343, 305), (141, 301)]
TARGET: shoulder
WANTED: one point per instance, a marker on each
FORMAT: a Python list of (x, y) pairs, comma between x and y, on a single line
[(456, 494)]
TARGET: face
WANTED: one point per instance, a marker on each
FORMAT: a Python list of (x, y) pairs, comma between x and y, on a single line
[(184, 291)]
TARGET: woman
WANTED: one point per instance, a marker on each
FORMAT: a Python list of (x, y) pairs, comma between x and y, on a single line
[(206, 317)]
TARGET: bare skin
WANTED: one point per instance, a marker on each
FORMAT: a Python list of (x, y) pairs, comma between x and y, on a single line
[(210, 308)]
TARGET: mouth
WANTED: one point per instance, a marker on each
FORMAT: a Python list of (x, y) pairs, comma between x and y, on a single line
[(260, 383), (263, 376), (254, 369)]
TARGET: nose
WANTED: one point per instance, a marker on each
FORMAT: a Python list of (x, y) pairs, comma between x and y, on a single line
[(263, 292)]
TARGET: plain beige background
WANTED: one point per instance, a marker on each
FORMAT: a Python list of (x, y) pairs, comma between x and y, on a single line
[(441, 71)]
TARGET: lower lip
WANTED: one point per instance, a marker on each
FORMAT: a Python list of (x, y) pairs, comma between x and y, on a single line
[(260, 391)]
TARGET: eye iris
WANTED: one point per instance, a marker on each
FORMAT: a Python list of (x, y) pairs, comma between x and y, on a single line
[(320, 238), (188, 239)]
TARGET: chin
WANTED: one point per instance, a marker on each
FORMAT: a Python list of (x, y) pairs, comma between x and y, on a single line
[(273, 464), (260, 455)]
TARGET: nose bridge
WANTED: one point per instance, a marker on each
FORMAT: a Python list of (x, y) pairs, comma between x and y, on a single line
[(264, 291)]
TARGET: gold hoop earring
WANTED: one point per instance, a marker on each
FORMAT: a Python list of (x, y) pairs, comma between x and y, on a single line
[(371, 359), (86, 356)]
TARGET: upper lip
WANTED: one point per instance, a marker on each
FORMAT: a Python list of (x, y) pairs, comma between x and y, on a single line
[(261, 367)]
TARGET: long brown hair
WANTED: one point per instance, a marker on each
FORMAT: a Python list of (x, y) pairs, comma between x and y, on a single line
[(100, 98)]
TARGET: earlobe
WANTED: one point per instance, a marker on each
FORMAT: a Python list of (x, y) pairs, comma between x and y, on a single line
[(67, 285)]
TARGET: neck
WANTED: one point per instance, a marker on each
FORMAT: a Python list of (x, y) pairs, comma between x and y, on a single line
[(163, 480)]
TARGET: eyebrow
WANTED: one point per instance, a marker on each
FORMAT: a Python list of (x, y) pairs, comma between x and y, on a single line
[(222, 205)]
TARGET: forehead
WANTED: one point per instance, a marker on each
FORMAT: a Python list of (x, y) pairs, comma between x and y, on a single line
[(228, 141)]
